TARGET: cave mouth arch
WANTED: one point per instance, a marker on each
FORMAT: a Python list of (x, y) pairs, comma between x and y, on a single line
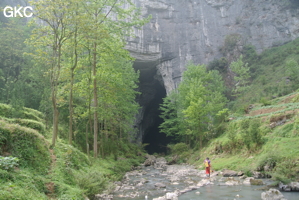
[(152, 92)]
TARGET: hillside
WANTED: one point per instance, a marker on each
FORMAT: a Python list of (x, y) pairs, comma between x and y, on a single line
[(264, 140), (273, 73), (29, 169)]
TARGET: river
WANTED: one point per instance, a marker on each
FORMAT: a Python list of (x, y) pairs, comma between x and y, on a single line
[(189, 183)]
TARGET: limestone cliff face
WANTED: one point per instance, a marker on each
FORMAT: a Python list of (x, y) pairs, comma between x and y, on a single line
[(195, 30), (184, 30)]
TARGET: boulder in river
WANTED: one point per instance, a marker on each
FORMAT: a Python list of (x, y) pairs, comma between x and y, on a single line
[(160, 185), (293, 186), (150, 160), (256, 182), (231, 181), (160, 163), (247, 181), (103, 196), (171, 196), (229, 173), (272, 194), (258, 175)]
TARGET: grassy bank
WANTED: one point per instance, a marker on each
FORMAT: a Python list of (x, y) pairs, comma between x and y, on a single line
[(29, 169), (265, 140)]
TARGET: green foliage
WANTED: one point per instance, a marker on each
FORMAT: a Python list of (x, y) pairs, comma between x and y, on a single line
[(218, 64), (196, 108), (8, 111), (8, 163), (270, 73), (242, 75), (292, 69), (5, 110), (13, 63), (244, 132), (200, 99), (265, 102), (26, 144), (92, 182), (178, 148), (169, 108), (230, 42)]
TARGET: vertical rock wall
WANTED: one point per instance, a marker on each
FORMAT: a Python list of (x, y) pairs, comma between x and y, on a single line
[(180, 31), (194, 30)]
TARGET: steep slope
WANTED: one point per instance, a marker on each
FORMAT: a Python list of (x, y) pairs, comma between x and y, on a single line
[(265, 140)]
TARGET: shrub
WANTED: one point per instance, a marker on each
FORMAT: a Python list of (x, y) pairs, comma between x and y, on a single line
[(230, 42), (26, 144), (8, 163), (265, 102), (92, 182), (5, 110), (179, 148)]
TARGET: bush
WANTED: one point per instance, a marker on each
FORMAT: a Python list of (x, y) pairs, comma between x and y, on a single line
[(8, 163), (5, 110), (179, 148), (265, 102), (26, 144), (92, 182), (230, 42)]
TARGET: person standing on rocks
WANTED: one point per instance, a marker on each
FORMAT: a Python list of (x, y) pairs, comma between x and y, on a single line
[(207, 163)]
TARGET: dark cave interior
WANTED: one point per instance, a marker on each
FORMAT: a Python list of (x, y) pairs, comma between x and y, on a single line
[(152, 92), (157, 140)]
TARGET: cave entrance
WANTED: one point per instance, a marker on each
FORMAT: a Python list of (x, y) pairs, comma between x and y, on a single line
[(152, 92), (156, 140)]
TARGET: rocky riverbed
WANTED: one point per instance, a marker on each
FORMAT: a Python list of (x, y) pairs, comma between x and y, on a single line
[(159, 181)]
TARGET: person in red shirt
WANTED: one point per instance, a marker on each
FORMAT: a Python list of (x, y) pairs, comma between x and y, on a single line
[(207, 163)]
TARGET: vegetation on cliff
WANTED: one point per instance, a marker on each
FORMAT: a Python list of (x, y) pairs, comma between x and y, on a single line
[(260, 131)]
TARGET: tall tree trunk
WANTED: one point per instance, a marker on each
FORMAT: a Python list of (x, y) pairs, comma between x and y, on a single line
[(95, 102), (55, 118), (54, 85), (71, 109)]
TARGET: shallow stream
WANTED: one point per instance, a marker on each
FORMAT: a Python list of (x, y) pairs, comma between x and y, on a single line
[(141, 183)]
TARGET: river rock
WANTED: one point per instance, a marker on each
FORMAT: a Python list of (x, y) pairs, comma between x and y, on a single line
[(294, 186), (229, 173), (258, 175), (283, 187), (103, 197), (160, 185), (171, 196), (203, 182), (231, 181), (174, 179), (150, 160), (240, 173), (160, 163), (247, 181), (256, 182), (272, 194)]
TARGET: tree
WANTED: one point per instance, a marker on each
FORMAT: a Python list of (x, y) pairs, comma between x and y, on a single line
[(93, 31), (292, 71), (106, 25), (49, 38), (169, 114), (242, 75), (199, 100), (201, 94)]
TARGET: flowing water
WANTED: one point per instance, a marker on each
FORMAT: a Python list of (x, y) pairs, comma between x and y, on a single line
[(141, 183)]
